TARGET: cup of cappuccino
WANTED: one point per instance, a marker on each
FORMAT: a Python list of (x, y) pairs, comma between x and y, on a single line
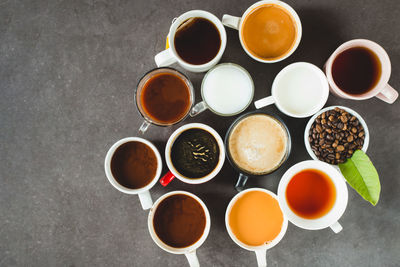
[(257, 144)]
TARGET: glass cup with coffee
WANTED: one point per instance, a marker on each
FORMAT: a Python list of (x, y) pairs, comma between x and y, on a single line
[(257, 144), (269, 30), (164, 96), (194, 154), (179, 223), (196, 40), (360, 69), (133, 166)]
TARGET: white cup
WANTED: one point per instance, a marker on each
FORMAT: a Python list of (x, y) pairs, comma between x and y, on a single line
[(167, 178), (170, 56), (237, 24), (331, 218), (190, 251), (299, 90), (261, 251), (143, 193)]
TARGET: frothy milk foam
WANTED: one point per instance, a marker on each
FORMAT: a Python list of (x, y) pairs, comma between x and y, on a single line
[(258, 143), (227, 89)]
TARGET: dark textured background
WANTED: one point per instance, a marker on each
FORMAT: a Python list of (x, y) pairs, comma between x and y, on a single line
[(68, 70)]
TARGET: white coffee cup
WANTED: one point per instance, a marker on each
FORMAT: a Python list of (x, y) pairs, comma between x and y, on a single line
[(260, 251), (170, 56), (167, 178), (143, 193), (299, 90), (190, 251), (331, 218)]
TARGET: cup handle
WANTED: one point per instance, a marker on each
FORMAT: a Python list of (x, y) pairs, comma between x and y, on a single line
[(263, 102), (231, 21), (167, 178), (143, 128), (145, 200), (261, 255), (197, 109), (239, 186), (192, 259), (388, 94), (165, 58), (336, 227)]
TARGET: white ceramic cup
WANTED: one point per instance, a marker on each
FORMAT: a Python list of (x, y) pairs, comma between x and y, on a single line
[(143, 193), (351, 112), (170, 56), (277, 97), (173, 173), (190, 251), (381, 90), (237, 24), (331, 218), (260, 251)]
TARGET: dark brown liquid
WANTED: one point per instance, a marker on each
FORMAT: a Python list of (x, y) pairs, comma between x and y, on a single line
[(134, 165), (356, 70), (166, 98), (197, 41), (179, 221), (195, 153)]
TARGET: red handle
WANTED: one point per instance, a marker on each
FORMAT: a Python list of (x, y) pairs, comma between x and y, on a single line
[(167, 178)]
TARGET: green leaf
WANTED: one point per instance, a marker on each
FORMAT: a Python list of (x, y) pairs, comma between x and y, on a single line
[(361, 174)]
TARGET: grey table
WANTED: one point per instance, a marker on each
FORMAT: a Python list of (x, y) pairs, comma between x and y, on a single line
[(68, 70)]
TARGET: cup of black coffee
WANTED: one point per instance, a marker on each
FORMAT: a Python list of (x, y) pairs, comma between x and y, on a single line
[(194, 154), (133, 166)]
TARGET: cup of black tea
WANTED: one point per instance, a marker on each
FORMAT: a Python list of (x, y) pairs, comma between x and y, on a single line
[(196, 40), (133, 166), (360, 69), (194, 154), (179, 223), (163, 96)]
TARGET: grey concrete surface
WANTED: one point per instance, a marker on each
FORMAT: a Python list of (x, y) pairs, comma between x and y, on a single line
[(68, 70)]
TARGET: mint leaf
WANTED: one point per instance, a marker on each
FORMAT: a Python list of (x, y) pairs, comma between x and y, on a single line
[(361, 174)]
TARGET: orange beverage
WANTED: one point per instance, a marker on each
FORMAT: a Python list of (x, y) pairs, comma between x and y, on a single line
[(256, 218)]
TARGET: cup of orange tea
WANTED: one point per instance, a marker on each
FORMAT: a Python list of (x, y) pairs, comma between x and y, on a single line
[(269, 30), (255, 221), (313, 195)]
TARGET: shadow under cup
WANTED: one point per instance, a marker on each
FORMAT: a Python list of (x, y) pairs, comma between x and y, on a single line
[(257, 144)]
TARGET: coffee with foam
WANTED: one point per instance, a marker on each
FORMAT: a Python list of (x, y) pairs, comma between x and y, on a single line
[(258, 144)]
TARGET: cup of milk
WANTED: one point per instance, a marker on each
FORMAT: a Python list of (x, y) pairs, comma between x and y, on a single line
[(299, 90), (227, 89)]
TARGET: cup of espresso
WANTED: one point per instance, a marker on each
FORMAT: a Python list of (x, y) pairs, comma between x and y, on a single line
[(255, 221), (179, 223), (227, 89), (269, 30), (257, 144), (194, 154), (164, 96), (313, 195), (360, 69), (133, 166), (196, 40)]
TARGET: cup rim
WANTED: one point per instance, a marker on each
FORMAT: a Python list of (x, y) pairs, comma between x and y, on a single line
[(269, 245), (295, 17), (166, 247), (171, 141), (324, 82), (169, 69), (336, 211), (239, 119), (350, 111), (113, 181), (381, 54), (236, 66), (197, 13)]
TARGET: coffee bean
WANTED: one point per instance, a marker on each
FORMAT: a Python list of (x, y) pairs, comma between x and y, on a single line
[(350, 138)]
